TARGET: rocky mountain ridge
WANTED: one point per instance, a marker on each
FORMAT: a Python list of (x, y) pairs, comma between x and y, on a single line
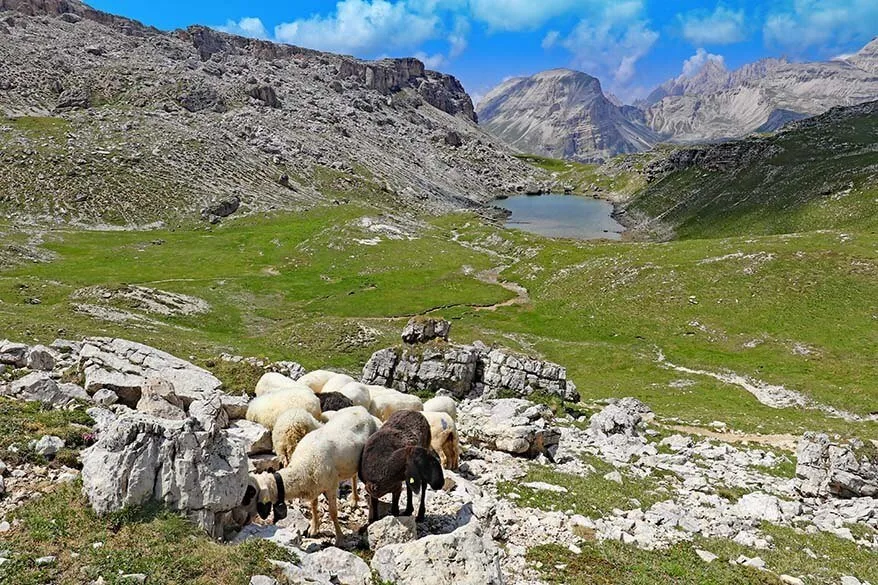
[(109, 121), (550, 115)]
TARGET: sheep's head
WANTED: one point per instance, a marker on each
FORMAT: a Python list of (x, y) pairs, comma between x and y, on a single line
[(264, 496), (423, 466)]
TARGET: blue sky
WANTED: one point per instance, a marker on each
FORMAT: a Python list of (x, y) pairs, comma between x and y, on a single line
[(631, 45)]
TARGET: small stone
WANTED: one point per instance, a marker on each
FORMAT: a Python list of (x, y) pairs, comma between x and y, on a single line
[(614, 476), (262, 580), (97, 545), (134, 577), (49, 445), (392, 530), (849, 580), (706, 556), (5, 527), (105, 397), (790, 580), (42, 561), (40, 357)]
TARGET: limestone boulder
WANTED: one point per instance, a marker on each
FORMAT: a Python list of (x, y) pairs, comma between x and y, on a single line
[(513, 425), (139, 458), (123, 366), (422, 330), (844, 469), (464, 557)]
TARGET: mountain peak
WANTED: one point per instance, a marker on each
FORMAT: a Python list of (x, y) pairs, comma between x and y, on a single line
[(563, 113)]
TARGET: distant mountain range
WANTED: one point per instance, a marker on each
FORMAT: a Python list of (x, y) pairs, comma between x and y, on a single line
[(565, 114)]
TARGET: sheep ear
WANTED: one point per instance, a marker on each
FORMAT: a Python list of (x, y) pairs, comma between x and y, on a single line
[(263, 509), (248, 495)]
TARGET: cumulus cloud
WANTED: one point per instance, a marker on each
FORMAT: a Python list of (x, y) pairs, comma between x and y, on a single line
[(696, 62), (434, 61), (246, 27), (613, 43), (824, 24), (720, 27), (362, 26)]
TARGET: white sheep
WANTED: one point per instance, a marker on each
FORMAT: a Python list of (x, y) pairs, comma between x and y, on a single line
[(357, 392), (266, 409), (323, 458), (336, 383), (291, 426), (386, 401), (444, 438), (272, 382), (316, 380), (441, 404)]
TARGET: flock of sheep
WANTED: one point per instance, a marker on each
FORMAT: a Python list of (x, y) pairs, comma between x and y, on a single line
[(328, 427)]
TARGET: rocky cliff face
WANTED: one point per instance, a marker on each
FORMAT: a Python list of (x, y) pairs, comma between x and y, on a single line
[(563, 114), (716, 103), (103, 119)]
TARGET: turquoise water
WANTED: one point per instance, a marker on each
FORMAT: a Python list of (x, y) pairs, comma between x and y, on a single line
[(562, 216)]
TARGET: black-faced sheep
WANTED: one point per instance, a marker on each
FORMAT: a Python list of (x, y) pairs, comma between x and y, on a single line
[(322, 459), (400, 452), (333, 401)]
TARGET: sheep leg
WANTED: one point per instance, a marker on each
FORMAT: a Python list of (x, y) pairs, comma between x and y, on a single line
[(394, 502), (332, 500), (354, 494), (422, 505), (410, 505), (315, 518), (373, 508)]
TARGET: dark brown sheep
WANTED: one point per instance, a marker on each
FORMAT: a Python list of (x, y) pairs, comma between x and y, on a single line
[(400, 452), (333, 401)]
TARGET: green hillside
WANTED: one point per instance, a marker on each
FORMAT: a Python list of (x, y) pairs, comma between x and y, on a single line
[(821, 173)]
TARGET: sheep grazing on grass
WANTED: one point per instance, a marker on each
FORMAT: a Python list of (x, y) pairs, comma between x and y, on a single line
[(358, 393), (400, 452), (442, 404), (273, 382), (444, 438), (266, 409), (322, 459), (336, 383), (316, 380), (289, 429), (386, 401), (333, 401)]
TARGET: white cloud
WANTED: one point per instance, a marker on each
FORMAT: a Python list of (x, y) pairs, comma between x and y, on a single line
[(696, 62), (551, 39), (612, 44), (362, 26), (824, 24), (246, 27), (431, 61), (458, 37), (721, 27)]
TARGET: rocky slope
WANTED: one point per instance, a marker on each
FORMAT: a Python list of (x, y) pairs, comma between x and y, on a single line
[(563, 114), (107, 120)]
